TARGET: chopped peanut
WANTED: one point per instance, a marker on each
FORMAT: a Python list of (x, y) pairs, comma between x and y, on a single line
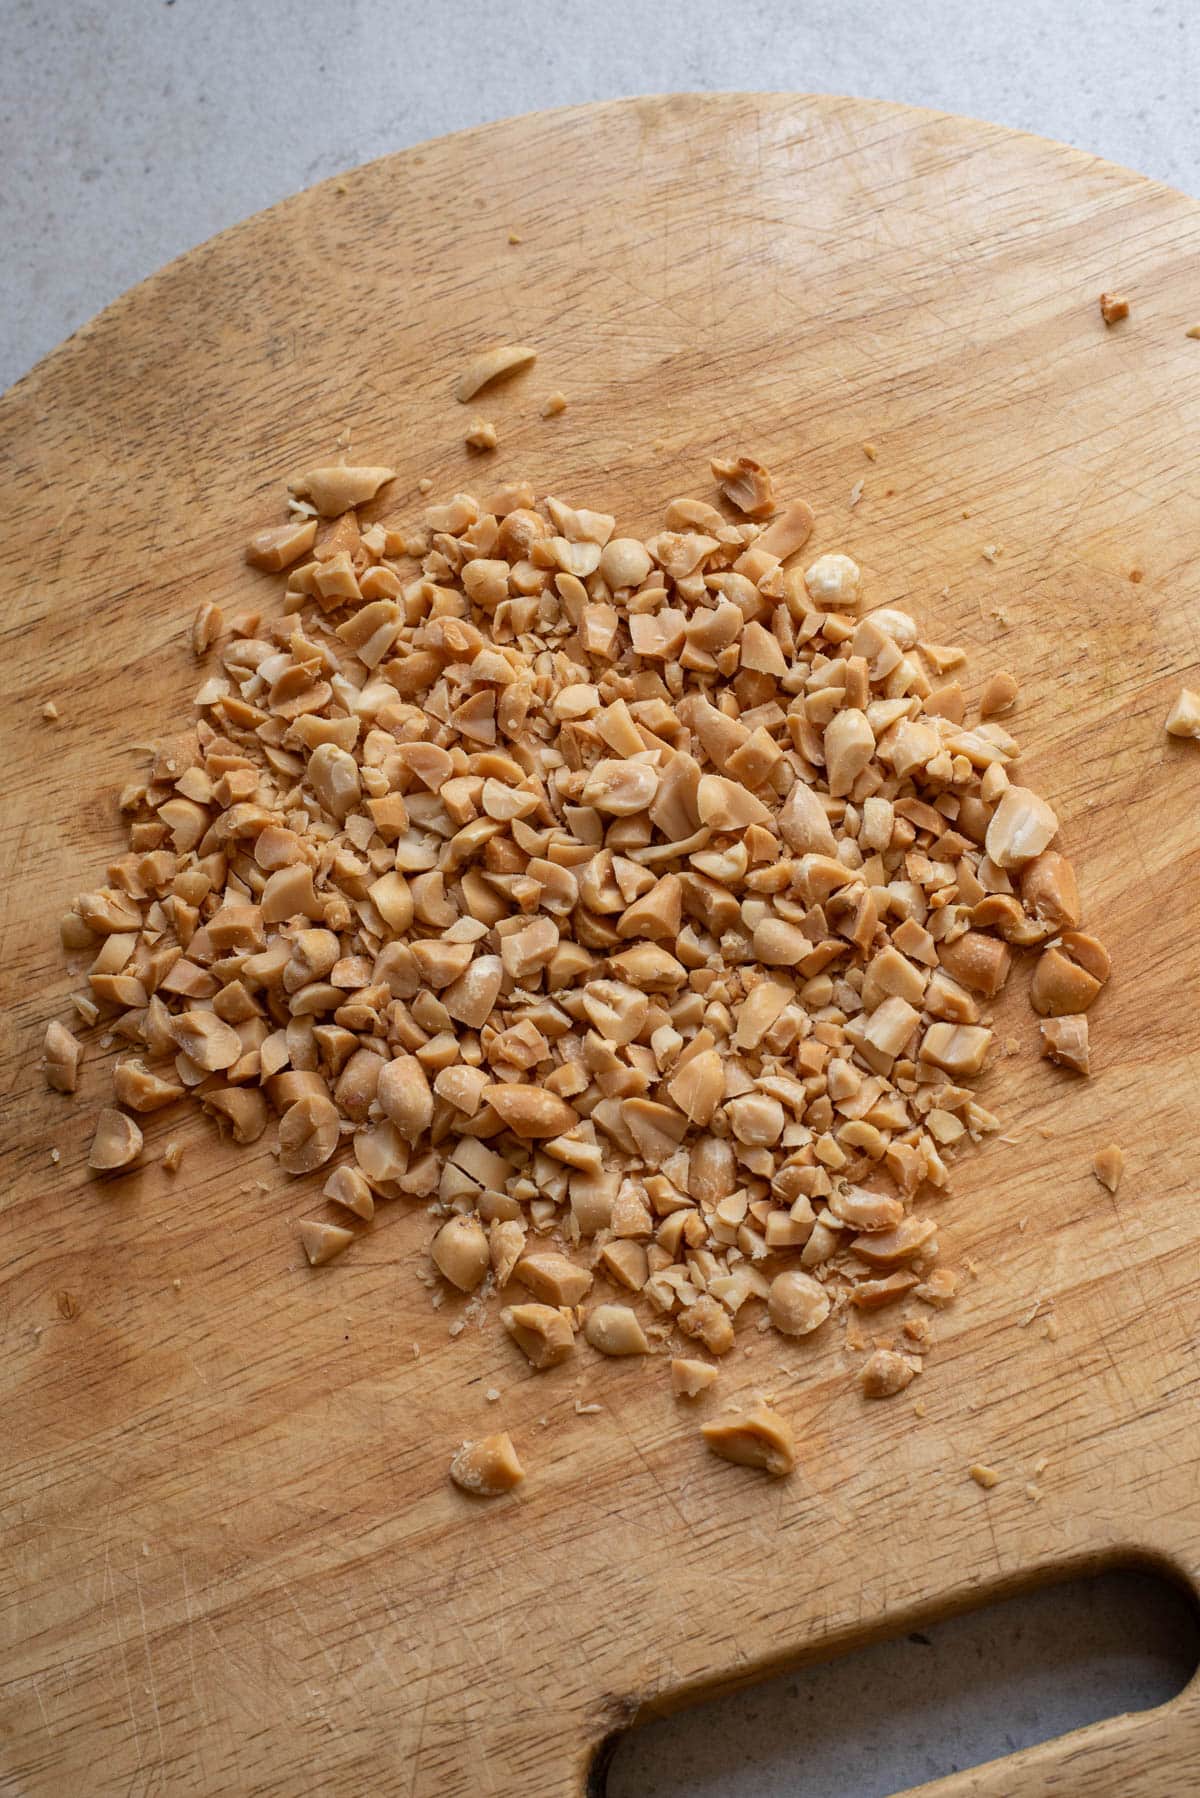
[(63, 1053), (1183, 719), (984, 1476), (885, 1373), (1108, 1165), (322, 1242), (1113, 307), (690, 1378), (1065, 1042), (481, 435), (487, 1468), (632, 904), (754, 1437), (492, 365), (615, 1330), (116, 1143)]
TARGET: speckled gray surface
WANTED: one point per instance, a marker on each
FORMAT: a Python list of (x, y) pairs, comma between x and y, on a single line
[(133, 129)]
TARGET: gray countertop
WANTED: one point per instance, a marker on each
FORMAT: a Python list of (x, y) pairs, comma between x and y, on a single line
[(131, 130)]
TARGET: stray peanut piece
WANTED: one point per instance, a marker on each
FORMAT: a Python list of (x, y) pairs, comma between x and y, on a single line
[(746, 484), (487, 1468), (492, 365), (984, 1476), (1183, 719), (1065, 1042), (554, 404), (1113, 307), (754, 1437), (63, 1054), (885, 1373), (333, 490), (117, 1141), (690, 1378), (460, 1252), (322, 1242), (1108, 1165), (999, 695)]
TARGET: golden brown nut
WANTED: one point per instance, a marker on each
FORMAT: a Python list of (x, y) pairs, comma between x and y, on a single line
[(308, 1134), (322, 1242), (487, 1468), (63, 1053), (529, 1111), (137, 1088), (552, 1277), (690, 1378), (460, 1252), (709, 1323), (1065, 1042), (1050, 891), (754, 1437), (404, 1096), (615, 1330), (885, 1373), (116, 1143), (543, 1333), (798, 1304)]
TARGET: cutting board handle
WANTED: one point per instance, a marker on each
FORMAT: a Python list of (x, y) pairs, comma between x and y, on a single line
[(1141, 1754)]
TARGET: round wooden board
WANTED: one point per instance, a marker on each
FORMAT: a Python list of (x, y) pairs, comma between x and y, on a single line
[(232, 1560)]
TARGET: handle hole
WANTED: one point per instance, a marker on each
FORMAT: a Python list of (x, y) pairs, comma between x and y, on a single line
[(951, 1695)]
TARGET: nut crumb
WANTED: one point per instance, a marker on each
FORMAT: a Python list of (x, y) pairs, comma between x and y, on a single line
[(515, 237), (582, 1410), (871, 452), (50, 712), (1183, 719), (1033, 1493), (556, 403), (856, 493), (1192, 331), (1113, 307), (481, 435), (1108, 1165), (984, 1476), (920, 1408), (172, 1157), (68, 1305)]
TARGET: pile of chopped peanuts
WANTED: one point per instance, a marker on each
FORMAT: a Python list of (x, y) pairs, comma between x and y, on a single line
[(634, 905)]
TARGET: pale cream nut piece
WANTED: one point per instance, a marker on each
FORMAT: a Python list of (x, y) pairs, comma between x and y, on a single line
[(833, 582), (885, 1373), (487, 1468), (460, 1252), (543, 1334), (334, 490), (1021, 826), (1183, 719), (322, 1242), (754, 1437), (690, 1378), (983, 1475), (405, 1097), (1065, 1042), (308, 1134), (63, 1054), (492, 365), (615, 1330), (1108, 1165), (798, 1304), (116, 1143)]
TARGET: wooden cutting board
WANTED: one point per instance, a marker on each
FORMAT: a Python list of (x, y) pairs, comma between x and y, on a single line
[(231, 1560)]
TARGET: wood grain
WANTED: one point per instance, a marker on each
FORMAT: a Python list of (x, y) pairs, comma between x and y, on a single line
[(231, 1559)]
